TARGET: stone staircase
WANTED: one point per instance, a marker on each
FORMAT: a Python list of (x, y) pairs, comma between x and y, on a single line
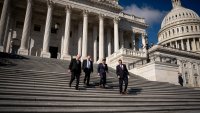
[(39, 85)]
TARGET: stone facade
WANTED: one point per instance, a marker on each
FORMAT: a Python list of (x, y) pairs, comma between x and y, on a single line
[(63, 28), (177, 50)]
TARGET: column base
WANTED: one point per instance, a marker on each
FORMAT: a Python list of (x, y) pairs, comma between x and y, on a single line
[(66, 57), (1, 48), (23, 51), (45, 54)]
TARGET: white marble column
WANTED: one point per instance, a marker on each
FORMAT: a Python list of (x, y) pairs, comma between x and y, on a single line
[(95, 43), (7, 36), (109, 41), (101, 37), (3, 21), (116, 34), (66, 55), (188, 45), (182, 45), (176, 44), (45, 50), (80, 35), (23, 50), (121, 35), (85, 35)]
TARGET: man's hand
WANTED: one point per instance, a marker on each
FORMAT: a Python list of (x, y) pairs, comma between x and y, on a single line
[(118, 76), (128, 76), (69, 71), (98, 74)]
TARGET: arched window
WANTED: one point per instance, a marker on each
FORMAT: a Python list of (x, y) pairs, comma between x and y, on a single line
[(173, 31), (177, 30), (195, 28), (191, 28), (196, 81), (182, 29), (187, 28), (186, 78)]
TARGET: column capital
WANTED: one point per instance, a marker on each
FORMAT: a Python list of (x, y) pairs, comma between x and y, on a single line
[(50, 3), (101, 16), (68, 8), (85, 12), (116, 19)]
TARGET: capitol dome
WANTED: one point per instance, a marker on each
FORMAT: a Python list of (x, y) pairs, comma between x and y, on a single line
[(179, 14), (180, 28)]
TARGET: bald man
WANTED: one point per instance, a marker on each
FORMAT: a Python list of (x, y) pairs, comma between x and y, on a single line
[(75, 69)]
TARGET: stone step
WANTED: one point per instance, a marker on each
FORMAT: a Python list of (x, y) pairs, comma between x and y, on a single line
[(50, 103), (53, 97), (65, 87), (96, 109), (84, 90)]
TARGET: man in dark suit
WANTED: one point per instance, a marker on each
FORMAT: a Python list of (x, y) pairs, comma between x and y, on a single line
[(102, 70), (180, 79), (75, 69), (87, 68), (123, 75)]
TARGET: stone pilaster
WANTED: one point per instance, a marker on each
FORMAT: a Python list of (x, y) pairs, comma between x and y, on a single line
[(109, 41), (45, 50), (23, 50), (182, 45), (101, 37), (66, 55), (85, 34), (3, 21), (95, 43), (116, 34), (80, 35)]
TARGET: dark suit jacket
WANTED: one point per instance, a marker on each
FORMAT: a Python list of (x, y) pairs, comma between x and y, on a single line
[(75, 66), (84, 66), (102, 69), (122, 72), (180, 79)]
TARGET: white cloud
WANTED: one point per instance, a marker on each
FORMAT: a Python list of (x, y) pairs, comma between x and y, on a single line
[(151, 15)]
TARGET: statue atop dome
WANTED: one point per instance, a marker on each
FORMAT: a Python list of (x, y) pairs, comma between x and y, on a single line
[(176, 3)]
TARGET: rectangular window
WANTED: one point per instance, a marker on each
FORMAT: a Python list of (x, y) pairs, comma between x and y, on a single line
[(19, 24), (37, 27)]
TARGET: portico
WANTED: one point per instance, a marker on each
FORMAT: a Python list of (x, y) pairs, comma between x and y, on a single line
[(82, 29)]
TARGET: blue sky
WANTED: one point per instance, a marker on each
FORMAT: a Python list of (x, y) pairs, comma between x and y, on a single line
[(154, 11)]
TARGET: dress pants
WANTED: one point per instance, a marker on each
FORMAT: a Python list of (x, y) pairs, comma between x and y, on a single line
[(103, 79), (73, 76), (87, 76), (121, 80)]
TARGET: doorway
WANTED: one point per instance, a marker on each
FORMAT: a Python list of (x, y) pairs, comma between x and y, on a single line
[(53, 51)]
